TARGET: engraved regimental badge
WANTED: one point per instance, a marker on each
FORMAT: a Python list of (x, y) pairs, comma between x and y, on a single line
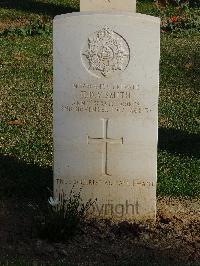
[(106, 53)]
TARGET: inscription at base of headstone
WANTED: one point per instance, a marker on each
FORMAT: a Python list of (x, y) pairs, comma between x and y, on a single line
[(106, 85)]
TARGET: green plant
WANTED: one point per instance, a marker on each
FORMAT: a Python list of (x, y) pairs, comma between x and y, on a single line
[(37, 27), (179, 18), (60, 220)]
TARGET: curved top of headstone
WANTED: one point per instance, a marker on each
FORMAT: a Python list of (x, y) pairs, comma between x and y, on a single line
[(108, 5), (137, 16)]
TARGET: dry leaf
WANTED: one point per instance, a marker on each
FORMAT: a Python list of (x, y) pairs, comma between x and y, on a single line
[(17, 122), (188, 66), (19, 56)]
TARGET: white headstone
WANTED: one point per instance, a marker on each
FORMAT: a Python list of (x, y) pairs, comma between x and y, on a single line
[(108, 5), (106, 85)]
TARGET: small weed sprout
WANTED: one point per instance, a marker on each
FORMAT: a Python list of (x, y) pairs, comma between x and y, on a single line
[(60, 220)]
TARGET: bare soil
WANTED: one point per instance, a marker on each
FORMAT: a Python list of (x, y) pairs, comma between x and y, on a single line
[(173, 240)]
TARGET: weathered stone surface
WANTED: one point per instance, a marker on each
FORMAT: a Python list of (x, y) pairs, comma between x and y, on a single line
[(108, 5), (106, 76)]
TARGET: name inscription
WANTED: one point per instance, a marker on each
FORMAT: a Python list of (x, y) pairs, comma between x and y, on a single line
[(104, 98)]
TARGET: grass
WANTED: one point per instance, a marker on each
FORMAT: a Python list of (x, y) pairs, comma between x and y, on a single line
[(14, 9), (178, 159), (26, 103), (27, 99)]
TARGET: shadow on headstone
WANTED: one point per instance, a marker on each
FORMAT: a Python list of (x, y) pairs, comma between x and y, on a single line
[(21, 180), (38, 7), (179, 142)]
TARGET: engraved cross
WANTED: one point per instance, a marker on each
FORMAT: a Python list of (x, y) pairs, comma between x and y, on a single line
[(105, 141)]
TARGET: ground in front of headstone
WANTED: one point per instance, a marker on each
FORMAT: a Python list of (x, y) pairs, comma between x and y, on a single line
[(172, 240)]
